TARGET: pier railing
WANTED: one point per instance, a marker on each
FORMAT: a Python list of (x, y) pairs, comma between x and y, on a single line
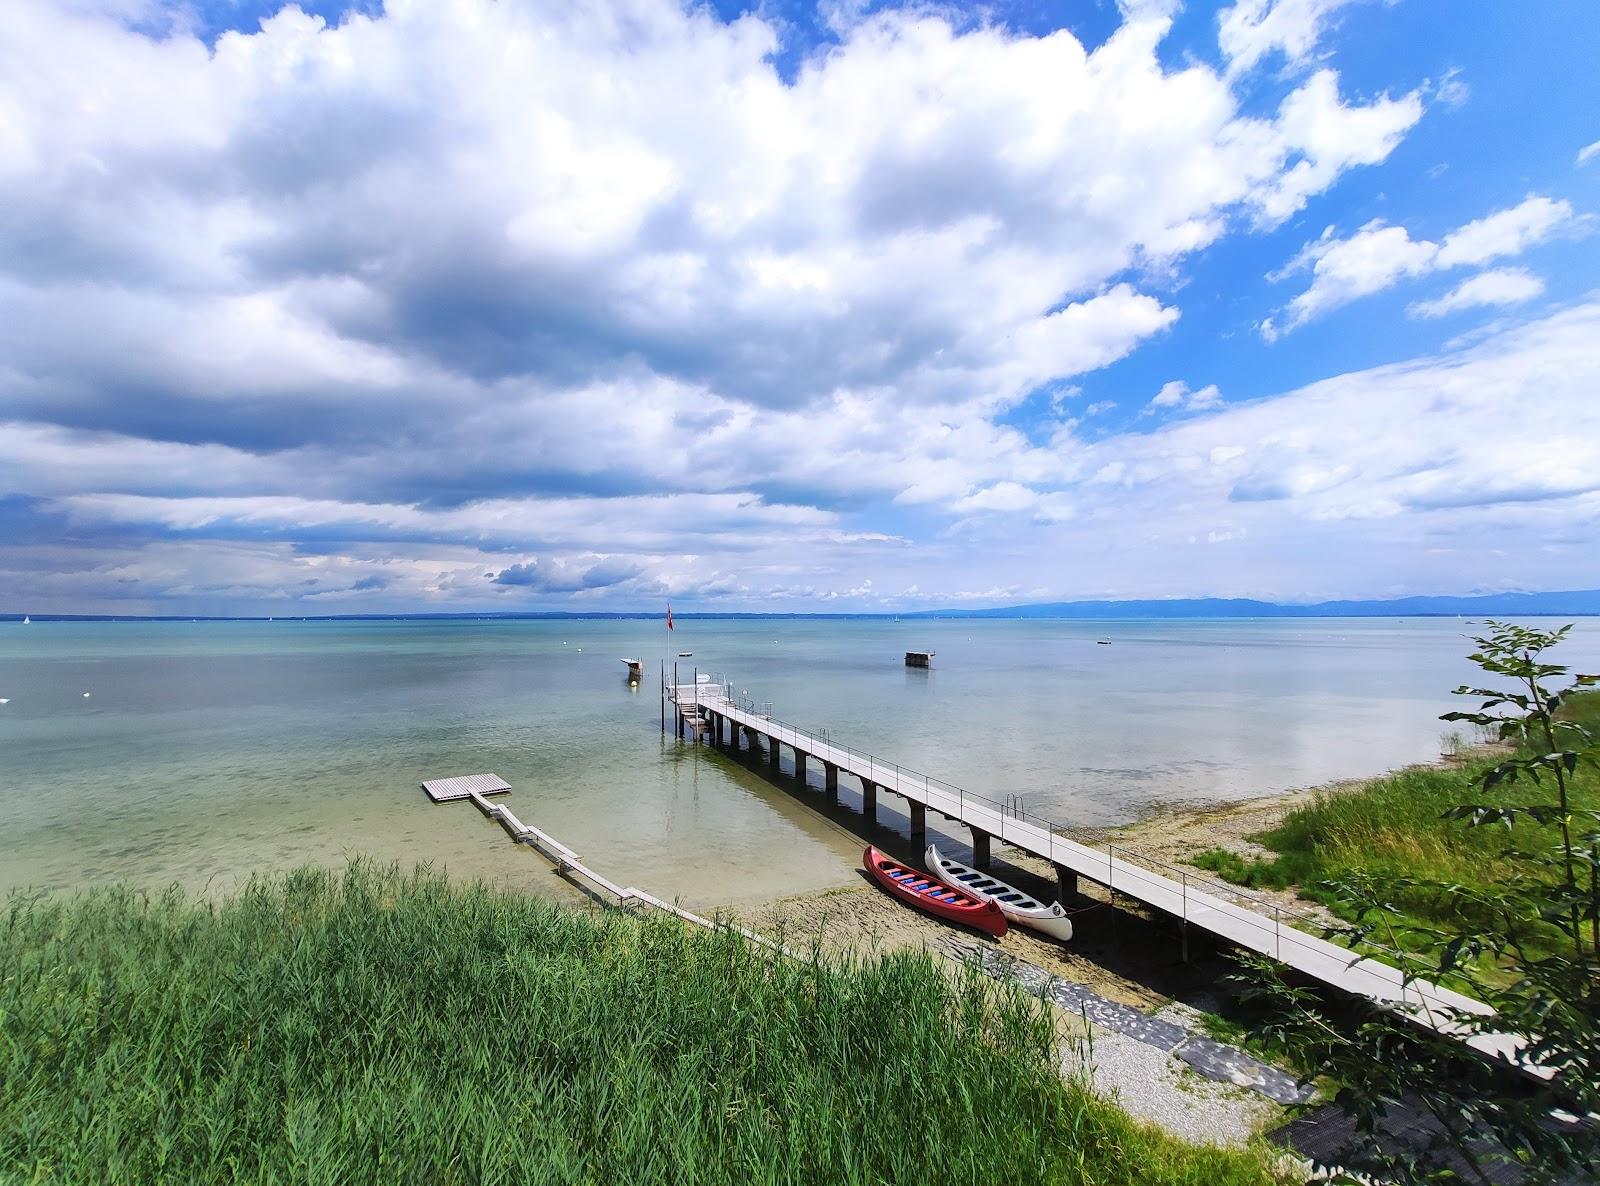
[(1127, 869)]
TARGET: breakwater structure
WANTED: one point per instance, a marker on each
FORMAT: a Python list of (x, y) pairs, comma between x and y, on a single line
[(707, 710)]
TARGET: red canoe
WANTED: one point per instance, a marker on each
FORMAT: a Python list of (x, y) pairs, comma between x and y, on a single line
[(928, 893)]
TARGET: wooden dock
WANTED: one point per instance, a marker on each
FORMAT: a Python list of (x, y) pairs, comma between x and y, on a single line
[(446, 790), (1243, 919)]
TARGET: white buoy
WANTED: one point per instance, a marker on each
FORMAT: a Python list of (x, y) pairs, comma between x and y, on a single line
[(3, 700), (86, 695)]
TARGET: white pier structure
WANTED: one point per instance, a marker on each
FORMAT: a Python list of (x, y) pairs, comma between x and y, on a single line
[(708, 709), (569, 864)]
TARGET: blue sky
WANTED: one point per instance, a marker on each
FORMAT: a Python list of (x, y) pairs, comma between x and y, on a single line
[(508, 305)]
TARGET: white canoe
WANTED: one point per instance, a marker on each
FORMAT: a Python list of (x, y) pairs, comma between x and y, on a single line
[(1018, 907)]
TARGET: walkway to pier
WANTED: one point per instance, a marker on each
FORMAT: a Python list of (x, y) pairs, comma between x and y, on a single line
[(568, 863), (1243, 919)]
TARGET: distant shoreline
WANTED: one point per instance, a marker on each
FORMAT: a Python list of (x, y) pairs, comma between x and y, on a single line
[(1577, 603)]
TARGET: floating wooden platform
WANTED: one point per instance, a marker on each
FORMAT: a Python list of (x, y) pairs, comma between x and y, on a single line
[(443, 790), (568, 863)]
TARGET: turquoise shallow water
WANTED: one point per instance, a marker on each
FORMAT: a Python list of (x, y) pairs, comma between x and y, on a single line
[(207, 750)]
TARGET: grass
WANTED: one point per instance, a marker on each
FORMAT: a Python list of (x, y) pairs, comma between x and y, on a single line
[(381, 1026), (1392, 827)]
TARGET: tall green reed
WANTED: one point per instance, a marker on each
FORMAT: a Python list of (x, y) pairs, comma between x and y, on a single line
[(376, 1025)]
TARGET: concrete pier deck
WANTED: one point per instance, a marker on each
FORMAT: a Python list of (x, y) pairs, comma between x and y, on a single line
[(1236, 916)]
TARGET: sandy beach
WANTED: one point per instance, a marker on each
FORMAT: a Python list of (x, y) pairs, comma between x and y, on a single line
[(1119, 949)]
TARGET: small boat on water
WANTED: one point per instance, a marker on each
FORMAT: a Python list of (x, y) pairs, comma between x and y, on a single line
[(635, 667), (928, 893), (1016, 906), (685, 654)]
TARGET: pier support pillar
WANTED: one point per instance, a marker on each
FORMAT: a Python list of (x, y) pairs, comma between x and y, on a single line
[(869, 799), (1066, 883), (980, 848), (772, 751), (919, 823), (830, 780), (800, 765)]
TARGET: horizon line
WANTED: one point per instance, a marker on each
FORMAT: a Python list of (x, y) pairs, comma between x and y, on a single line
[(1415, 606)]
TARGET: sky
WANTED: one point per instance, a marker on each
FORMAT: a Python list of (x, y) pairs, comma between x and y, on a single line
[(508, 305)]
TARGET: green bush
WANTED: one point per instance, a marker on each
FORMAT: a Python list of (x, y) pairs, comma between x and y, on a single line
[(1397, 827)]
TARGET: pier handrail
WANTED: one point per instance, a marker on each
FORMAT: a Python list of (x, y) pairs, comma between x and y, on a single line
[(1251, 909)]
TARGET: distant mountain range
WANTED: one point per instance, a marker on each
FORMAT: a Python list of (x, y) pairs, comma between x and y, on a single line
[(1575, 603)]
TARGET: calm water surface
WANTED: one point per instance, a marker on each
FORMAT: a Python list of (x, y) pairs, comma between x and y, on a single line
[(207, 750)]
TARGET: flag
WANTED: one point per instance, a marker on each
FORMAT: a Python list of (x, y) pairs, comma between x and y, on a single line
[(669, 615)]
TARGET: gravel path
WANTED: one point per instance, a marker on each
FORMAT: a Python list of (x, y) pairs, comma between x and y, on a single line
[(1152, 1085)]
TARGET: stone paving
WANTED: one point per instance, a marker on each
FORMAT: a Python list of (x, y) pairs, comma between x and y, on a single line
[(1214, 1060)]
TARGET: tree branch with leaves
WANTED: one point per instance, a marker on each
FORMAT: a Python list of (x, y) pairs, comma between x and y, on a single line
[(1532, 955)]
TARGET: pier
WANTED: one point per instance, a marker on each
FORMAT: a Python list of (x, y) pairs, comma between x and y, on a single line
[(708, 709)]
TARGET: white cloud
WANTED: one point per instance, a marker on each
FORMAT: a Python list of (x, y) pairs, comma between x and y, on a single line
[(1506, 233), (1309, 499), (419, 188), (1378, 256), (1342, 270), (1336, 137), (1254, 29), (1451, 91), (1177, 396), (591, 292), (1002, 496), (1588, 151), (1502, 286)]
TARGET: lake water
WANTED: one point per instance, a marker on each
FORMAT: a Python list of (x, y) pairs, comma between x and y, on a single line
[(208, 750)]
